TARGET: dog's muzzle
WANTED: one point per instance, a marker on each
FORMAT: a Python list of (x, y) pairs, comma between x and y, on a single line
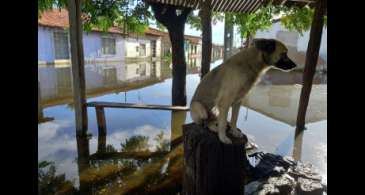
[(285, 63)]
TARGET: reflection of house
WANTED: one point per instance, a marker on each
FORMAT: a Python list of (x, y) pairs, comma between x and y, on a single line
[(114, 45), (296, 43), (56, 87), (280, 102), (217, 51)]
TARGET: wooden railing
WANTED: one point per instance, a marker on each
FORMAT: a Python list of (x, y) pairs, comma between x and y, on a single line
[(101, 122)]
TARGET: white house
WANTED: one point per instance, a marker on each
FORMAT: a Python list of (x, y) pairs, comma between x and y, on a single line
[(113, 45), (297, 43)]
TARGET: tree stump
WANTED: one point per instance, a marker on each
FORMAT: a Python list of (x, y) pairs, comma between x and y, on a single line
[(212, 167)]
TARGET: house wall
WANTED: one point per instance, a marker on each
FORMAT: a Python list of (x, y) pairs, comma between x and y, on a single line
[(45, 44), (132, 43), (302, 40), (92, 43)]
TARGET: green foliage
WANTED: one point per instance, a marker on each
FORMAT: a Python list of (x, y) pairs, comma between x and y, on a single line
[(195, 22), (250, 23), (110, 148), (163, 144), (50, 183), (136, 143), (44, 164), (130, 15), (298, 19), (44, 5), (293, 18)]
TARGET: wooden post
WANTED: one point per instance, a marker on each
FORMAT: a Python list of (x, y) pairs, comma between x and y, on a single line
[(177, 121), (83, 156), (311, 60), (100, 118), (77, 59), (206, 16), (40, 109), (298, 143), (212, 167), (228, 37)]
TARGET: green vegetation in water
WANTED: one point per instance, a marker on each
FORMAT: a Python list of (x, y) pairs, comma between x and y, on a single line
[(50, 183), (163, 144), (136, 143)]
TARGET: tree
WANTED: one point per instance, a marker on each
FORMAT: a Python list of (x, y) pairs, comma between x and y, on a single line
[(293, 18), (131, 16), (174, 18)]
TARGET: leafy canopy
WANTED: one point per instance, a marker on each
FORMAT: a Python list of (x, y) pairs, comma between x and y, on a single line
[(129, 15)]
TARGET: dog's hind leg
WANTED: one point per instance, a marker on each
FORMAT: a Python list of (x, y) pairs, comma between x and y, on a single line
[(198, 112), (234, 117), (222, 125)]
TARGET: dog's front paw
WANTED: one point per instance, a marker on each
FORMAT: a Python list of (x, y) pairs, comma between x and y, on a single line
[(237, 133), (224, 139)]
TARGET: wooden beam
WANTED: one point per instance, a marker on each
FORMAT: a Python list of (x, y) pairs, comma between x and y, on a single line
[(40, 109), (126, 155), (77, 59), (137, 106), (311, 60), (206, 20), (100, 118)]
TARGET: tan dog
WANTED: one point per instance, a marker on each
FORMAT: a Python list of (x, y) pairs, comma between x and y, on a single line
[(226, 85)]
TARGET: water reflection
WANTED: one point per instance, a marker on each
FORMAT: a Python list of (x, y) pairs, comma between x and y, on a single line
[(56, 88), (141, 150), (137, 167)]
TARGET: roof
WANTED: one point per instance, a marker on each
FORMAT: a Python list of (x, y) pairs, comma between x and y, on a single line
[(58, 18), (154, 32), (245, 6), (193, 39)]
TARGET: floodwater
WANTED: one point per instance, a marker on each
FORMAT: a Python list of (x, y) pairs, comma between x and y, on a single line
[(144, 154)]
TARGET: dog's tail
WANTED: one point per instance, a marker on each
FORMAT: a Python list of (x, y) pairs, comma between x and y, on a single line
[(198, 112)]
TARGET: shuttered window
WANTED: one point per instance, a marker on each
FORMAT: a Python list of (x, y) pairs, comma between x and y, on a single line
[(108, 46), (61, 45)]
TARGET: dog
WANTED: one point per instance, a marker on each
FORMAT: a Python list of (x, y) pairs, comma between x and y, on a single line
[(227, 84)]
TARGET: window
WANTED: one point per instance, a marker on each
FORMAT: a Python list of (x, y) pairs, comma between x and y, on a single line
[(153, 48), (142, 50), (108, 46), (61, 45)]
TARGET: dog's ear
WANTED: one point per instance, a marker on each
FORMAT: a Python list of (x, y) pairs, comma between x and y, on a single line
[(266, 45)]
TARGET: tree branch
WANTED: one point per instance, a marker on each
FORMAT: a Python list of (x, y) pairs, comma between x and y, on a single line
[(185, 12)]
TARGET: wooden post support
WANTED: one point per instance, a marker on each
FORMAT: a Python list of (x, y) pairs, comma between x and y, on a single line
[(311, 60), (212, 167), (77, 59), (100, 118), (40, 109), (298, 143), (83, 156), (206, 17), (228, 37)]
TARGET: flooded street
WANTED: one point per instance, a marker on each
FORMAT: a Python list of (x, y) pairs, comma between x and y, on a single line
[(152, 161)]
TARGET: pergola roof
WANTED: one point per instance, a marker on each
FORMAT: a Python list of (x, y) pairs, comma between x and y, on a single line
[(243, 6)]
